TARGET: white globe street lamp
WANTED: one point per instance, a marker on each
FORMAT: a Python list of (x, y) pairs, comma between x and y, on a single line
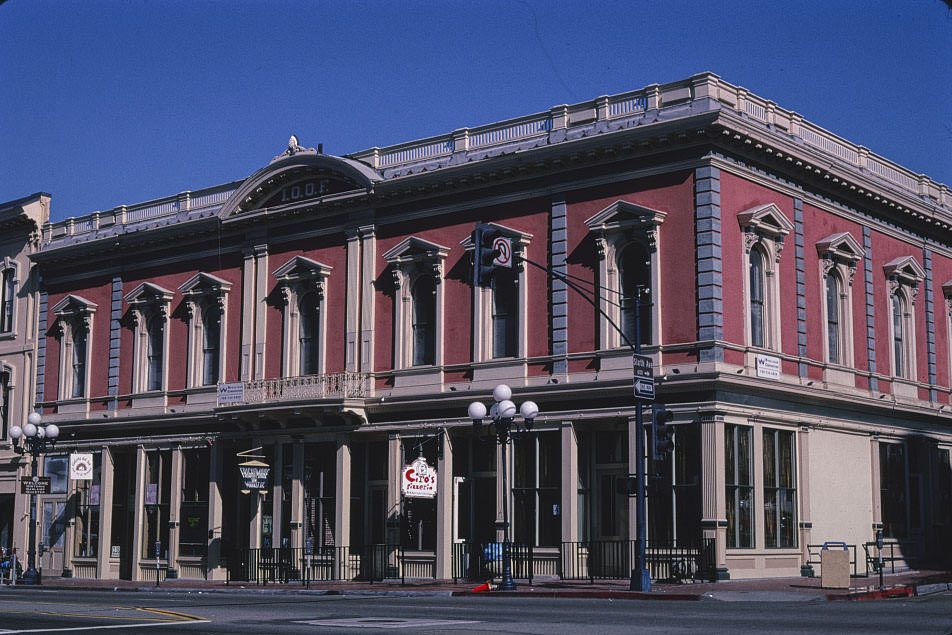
[(503, 414), (37, 439)]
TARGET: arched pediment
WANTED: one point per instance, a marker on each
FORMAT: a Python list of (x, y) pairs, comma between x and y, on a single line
[(300, 174)]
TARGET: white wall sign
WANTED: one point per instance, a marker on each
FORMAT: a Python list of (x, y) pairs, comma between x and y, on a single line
[(768, 367), (81, 466), (418, 480), (231, 393)]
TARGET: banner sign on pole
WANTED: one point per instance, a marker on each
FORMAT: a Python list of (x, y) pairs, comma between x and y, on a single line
[(254, 476), (81, 466), (418, 480)]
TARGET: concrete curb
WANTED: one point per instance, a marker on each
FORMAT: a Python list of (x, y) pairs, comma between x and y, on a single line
[(884, 594), (929, 589), (612, 595), (258, 591)]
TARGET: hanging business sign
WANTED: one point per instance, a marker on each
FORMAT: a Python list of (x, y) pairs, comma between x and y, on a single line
[(81, 466), (35, 485), (418, 480)]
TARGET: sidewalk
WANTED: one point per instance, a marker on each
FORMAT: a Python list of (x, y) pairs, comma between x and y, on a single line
[(798, 589)]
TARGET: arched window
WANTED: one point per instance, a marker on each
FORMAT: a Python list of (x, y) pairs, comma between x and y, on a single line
[(309, 335), (79, 362), (758, 299), (424, 321), (505, 314), (833, 287), (635, 273), (156, 344), (211, 343), (899, 334)]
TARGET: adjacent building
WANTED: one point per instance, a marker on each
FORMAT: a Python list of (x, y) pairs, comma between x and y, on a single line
[(21, 222), (320, 316)]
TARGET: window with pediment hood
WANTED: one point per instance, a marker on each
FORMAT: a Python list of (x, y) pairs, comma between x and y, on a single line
[(303, 285), (903, 276), (626, 239), (73, 327), (499, 311), (765, 227), (8, 296), (6, 398), (205, 305), (838, 254), (149, 313), (417, 268)]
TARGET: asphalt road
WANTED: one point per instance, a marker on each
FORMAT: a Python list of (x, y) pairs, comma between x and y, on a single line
[(158, 613)]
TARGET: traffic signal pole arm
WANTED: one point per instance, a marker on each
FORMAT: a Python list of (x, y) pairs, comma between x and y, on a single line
[(635, 347)]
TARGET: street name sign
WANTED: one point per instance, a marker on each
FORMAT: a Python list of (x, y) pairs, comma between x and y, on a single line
[(643, 367)]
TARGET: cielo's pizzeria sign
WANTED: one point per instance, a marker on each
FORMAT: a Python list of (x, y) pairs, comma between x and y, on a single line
[(419, 480)]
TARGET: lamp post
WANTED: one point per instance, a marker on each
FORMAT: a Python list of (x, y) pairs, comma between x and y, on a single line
[(36, 436), (503, 415)]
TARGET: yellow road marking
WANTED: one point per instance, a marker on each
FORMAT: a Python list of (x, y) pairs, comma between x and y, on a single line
[(176, 617)]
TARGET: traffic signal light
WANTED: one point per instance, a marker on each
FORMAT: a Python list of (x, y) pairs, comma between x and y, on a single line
[(662, 431), (483, 254)]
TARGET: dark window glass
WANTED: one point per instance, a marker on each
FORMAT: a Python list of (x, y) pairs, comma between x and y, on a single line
[(309, 335), (4, 404), (536, 491), (193, 514), (424, 321), (780, 494), (7, 293), (899, 335), (738, 441), (892, 489), (156, 344), (211, 343), (79, 362), (635, 275), (505, 314), (55, 468), (757, 298), (156, 505), (833, 317)]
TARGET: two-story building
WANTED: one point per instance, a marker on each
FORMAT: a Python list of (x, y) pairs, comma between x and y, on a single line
[(321, 314)]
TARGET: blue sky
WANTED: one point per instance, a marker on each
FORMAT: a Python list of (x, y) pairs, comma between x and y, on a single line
[(108, 103)]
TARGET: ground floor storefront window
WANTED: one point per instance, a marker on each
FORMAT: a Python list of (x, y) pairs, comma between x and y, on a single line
[(157, 497), (536, 490), (87, 512), (739, 484), (193, 514), (780, 492)]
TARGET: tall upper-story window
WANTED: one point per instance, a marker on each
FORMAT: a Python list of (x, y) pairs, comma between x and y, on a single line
[(205, 302), (626, 241), (764, 229), (73, 328), (505, 315), (417, 268), (309, 335), (8, 292), (500, 311), (5, 405), (303, 286), (155, 329), (903, 275), (149, 311), (757, 300), (634, 267), (424, 321), (833, 324), (80, 337), (838, 254), (211, 345)]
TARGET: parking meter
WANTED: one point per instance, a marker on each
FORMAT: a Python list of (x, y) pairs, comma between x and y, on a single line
[(879, 539), (879, 546), (158, 554)]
